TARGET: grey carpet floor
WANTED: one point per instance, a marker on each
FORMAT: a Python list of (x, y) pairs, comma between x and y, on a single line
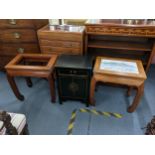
[(46, 118)]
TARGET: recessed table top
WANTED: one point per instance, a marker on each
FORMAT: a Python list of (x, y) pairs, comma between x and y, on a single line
[(27, 62), (63, 29), (139, 73)]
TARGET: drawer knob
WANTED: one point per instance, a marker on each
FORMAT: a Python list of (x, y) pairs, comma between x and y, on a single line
[(12, 21), (20, 50), (16, 35)]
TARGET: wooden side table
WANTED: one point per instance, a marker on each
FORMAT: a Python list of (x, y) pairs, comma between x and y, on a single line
[(119, 77), (31, 65)]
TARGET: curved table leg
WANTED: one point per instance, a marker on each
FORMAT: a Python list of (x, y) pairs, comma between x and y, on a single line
[(92, 91), (14, 87), (52, 87), (29, 82), (136, 101), (129, 91)]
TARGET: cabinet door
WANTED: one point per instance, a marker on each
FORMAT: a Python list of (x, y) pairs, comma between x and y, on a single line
[(75, 87)]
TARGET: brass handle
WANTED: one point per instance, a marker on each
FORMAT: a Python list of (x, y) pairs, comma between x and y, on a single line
[(20, 50), (16, 35), (12, 21)]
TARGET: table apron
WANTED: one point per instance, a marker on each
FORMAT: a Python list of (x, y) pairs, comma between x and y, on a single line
[(119, 80), (39, 74)]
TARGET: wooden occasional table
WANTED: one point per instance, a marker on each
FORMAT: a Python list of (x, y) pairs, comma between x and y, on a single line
[(130, 79), (31, 65)]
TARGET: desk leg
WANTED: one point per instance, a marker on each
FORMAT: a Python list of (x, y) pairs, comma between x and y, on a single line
[(136, 101), (52, 87), (92, 91), (14, 87), (29, 82)]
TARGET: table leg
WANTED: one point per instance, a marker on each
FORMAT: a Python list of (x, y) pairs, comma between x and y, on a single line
[(52, 87), (14, 87), (92, 91), (139, 94), (29, 82), (129, 91)]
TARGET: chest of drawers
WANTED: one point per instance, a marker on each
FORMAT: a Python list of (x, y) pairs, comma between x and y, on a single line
[(18, 36), (60, 39)]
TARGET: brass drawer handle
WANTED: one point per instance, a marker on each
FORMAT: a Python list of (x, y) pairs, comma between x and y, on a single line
[(16, 35), (20, 50), (12, 21)]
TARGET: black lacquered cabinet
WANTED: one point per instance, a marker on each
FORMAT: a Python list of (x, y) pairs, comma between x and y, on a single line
[(73, 77)]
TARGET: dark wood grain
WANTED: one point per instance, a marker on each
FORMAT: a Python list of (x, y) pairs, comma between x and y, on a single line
[(18, 36)]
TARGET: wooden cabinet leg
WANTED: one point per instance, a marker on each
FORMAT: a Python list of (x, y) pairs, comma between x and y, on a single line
[(14, 87), (52, 87), (136, 101), (29, 82), (92, 91)]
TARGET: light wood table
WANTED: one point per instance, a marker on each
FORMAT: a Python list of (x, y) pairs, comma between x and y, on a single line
[(31, 65), (135, 80)]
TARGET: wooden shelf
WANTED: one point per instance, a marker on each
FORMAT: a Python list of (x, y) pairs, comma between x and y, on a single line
[(119, 45)]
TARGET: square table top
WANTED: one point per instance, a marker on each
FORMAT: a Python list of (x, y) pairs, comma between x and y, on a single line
[(74, 62), (48, 60), (119, 67)]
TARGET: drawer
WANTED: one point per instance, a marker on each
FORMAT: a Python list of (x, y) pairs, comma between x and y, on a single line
[(13, 49), (77, 37), (18, 35), (59, 50), (16, 23), (66, 44)]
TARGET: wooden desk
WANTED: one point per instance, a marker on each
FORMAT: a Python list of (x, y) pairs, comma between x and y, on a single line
[(120, 78), (132, 39), (31, 65)]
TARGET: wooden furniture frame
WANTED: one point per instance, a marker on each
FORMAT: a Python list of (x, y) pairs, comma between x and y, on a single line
[(119, 78), (14, 68), (131, 39)]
